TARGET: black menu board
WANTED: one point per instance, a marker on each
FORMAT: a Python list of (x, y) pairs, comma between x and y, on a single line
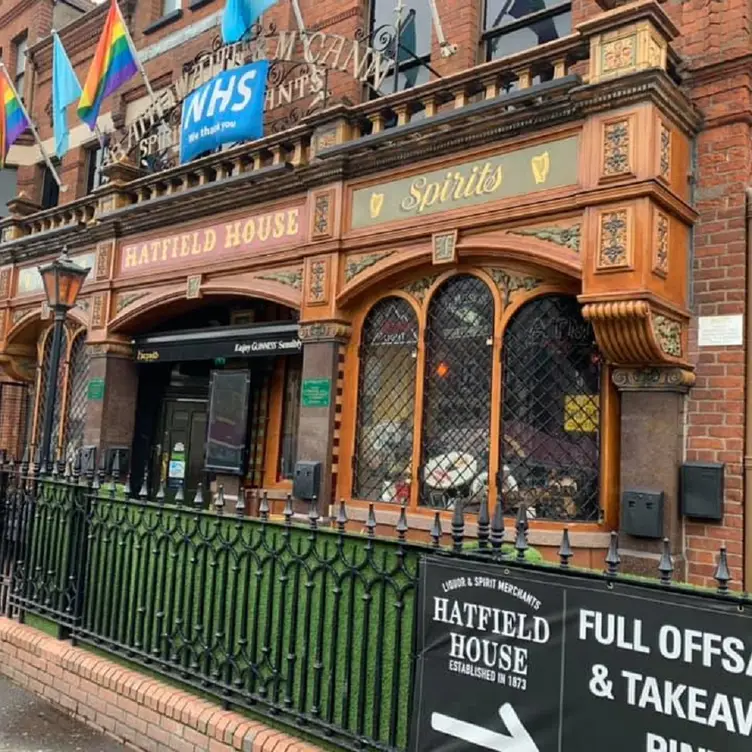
[(228, 421)]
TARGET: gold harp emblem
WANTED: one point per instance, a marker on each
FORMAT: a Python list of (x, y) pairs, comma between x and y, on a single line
[(377, 203), (541, 165)]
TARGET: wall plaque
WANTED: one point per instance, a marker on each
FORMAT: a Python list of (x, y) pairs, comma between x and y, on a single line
[(316, 393), (95, 390), (720, 331), (514, 173)]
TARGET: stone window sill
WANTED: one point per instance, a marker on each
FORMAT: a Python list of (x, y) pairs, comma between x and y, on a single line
[(160, 23)]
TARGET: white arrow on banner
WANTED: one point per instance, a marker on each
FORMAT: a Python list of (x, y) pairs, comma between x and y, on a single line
[(518, 741)]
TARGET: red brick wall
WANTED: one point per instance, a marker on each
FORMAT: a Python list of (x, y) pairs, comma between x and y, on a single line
[(712, 35), (134, 709)]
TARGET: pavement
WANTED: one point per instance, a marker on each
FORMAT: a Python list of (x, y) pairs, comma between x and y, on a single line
[(30, 724)]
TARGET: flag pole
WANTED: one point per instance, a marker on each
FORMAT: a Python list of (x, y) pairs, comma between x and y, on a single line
[(33, 128), (134, 52)]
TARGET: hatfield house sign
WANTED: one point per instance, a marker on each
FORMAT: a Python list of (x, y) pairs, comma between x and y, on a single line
[(298, 84)]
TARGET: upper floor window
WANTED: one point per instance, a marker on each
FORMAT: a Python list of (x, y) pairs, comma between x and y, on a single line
[(19, 53), (513, 26), (50, 188), (94, 161), (169, 6), (414, 50)]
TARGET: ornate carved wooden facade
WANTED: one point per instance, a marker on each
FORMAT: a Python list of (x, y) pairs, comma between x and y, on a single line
[(565, 202)]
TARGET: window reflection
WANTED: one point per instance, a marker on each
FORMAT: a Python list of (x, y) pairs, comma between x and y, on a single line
[(518, 25)]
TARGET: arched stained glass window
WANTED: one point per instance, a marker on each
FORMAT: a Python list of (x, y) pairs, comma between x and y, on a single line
[(457, 393), (78, 380), (386, 402), (550, 423)]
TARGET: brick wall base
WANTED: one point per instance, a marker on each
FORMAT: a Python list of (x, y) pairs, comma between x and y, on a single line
[(141, 712)]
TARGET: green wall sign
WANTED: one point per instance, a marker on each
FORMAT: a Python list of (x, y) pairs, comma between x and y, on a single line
[(316, 392), (513, 173), (95, 390)]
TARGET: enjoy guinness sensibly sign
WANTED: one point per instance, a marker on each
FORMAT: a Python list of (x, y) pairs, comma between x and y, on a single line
[(520, 661)]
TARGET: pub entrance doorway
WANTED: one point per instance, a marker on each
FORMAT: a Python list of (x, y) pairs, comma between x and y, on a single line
[(183, 438), (217, 402)]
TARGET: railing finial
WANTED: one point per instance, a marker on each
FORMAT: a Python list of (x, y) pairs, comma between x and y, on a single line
[(666, 564)]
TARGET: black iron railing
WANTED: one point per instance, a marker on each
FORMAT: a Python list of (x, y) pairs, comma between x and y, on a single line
[(308, 623)]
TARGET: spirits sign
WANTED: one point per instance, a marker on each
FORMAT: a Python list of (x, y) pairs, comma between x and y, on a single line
[(518, 661)]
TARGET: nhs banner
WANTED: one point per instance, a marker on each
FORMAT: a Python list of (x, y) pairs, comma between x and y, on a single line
[(228, 108)]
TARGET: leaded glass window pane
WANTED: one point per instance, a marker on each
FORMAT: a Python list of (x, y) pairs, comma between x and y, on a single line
[(386, 403), (44, 376), (457, 394), (550, 432), (78, 380)]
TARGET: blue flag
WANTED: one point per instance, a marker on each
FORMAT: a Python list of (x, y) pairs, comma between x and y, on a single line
[(228, 108), (65, 91), (239, 16)]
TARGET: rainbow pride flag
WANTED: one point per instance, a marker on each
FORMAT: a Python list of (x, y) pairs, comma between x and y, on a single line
[(13, 122), (114, 63)]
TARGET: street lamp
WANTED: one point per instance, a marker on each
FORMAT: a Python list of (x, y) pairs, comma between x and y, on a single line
[(62, 280)]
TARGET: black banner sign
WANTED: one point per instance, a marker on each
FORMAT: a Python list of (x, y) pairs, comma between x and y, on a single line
[(219, 342), (518, 661)]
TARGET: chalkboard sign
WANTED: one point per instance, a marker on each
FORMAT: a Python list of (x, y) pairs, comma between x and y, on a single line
[(228, 421)]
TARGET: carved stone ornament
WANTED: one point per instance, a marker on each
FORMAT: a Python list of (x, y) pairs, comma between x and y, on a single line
[(290, 277), (660, 245), (20, 313), (638, 46), (44, 311), (508, 283), (97, 311), (419, 288), (325, 331), (630, 334), (104, 250), (567, 237), (128, 299), (322, 214), (5, 282), (444, 247), (668, 333), (653, 379), (665, 145), (325, 138), (616, 148), (358, 264), (619, 55), (613, 240), (317, 286), (193, 287)]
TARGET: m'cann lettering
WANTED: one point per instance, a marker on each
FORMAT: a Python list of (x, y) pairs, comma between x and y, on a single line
[(235, 236)]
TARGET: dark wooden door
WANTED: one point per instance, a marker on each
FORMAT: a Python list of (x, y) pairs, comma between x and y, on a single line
[(181, 453)]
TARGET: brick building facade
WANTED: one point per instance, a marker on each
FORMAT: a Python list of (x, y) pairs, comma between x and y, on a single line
[(621, 133)]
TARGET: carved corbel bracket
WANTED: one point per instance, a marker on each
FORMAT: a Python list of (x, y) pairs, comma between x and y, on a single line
[(636, 333)]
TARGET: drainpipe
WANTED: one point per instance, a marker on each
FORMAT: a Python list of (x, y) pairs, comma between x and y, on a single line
[(747, 503)]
